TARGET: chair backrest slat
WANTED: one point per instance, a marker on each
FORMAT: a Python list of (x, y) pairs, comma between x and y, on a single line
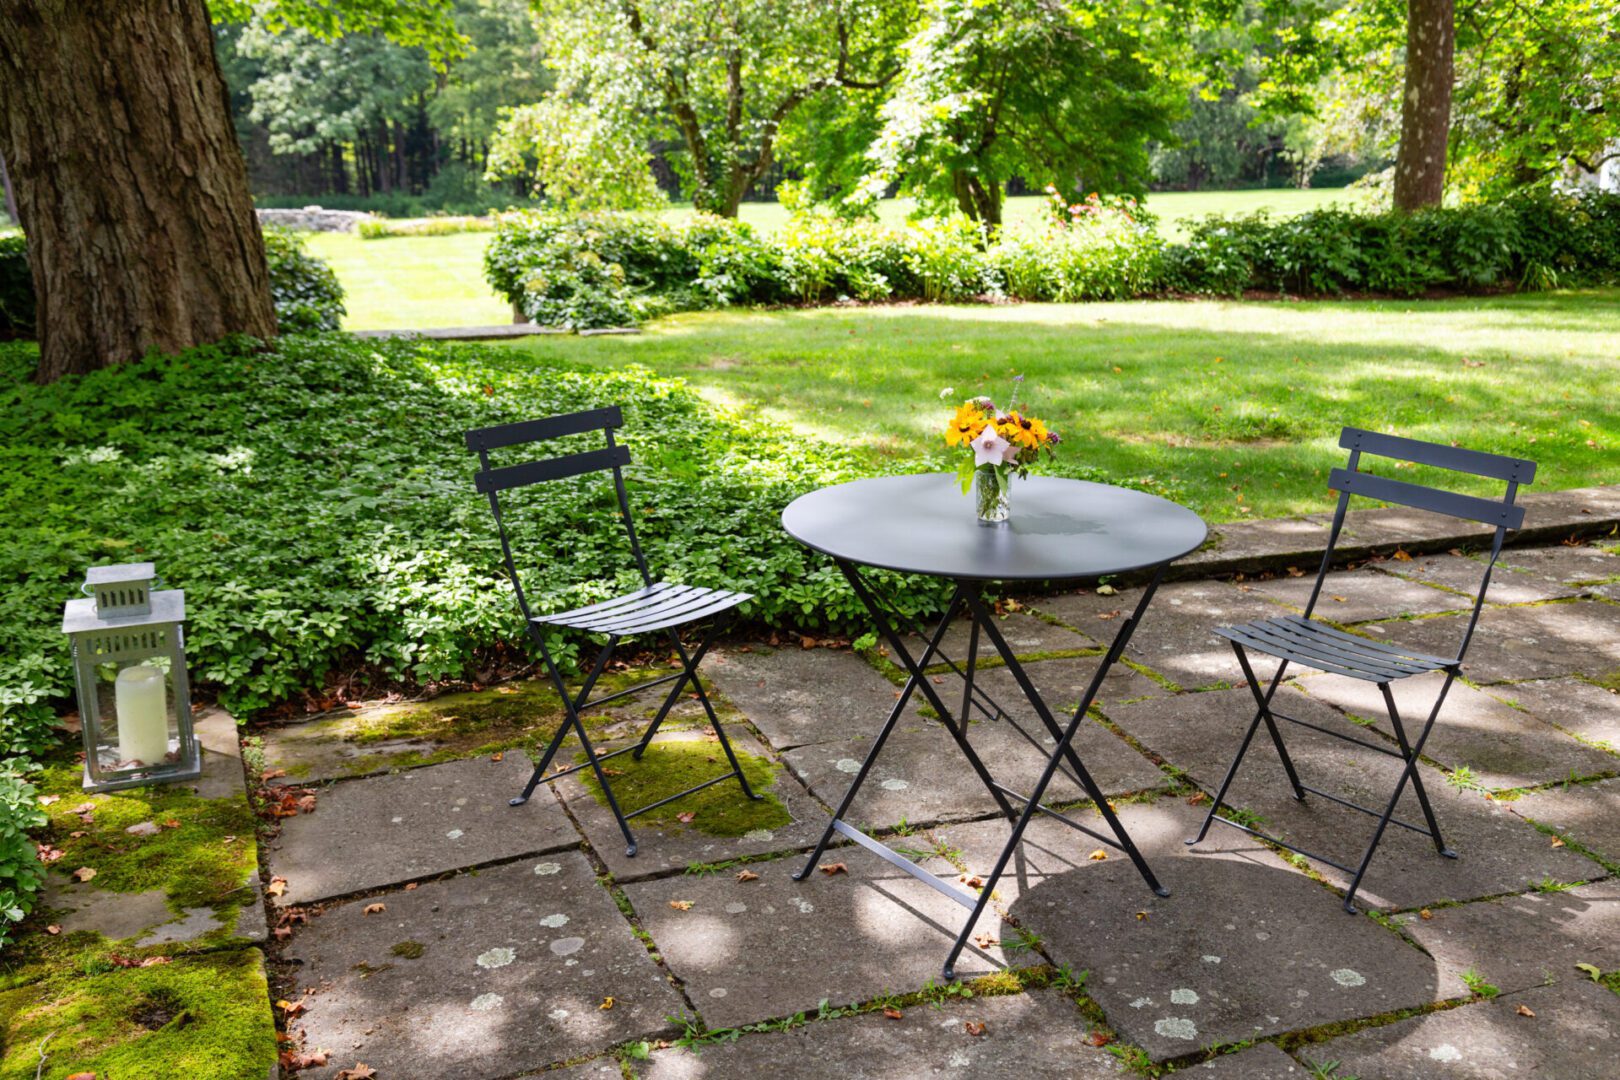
[(551, 427), (557, 468), (1496, 466), (1493, 512)]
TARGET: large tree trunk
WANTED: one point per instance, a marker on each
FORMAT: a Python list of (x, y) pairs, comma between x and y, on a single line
[(1420, 163), (132, 188), (11, 194)]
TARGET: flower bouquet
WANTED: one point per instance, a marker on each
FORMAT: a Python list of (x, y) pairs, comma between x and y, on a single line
[(1000, 443)]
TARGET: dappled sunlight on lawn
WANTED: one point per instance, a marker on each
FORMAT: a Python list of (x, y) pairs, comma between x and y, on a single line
[(1234, 407)]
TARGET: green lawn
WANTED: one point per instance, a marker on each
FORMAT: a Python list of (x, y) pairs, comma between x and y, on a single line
[(1232, 407), (418, 282)]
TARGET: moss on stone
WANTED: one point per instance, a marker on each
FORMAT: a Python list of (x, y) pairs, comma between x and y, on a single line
[(410, 950), (198, 1016), (675, 765), (201, 855)]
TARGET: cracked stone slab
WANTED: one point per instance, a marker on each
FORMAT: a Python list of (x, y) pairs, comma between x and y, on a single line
[(1498, 853), (922, 776), (1060, 682), (1244, 947), (1263, 1062), (800, 697), (1502, 746), (1039, 1035), (1510, 584), (754, 950), (1519, 942), (1352, 596), (1587, 813), (1511, 644), (1574, 1035), (1578, 707), (388, 830), (603, 1068), (1568, 564), (675, 846), (484, 974)]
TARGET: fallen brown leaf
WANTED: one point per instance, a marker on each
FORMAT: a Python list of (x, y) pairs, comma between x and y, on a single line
[(374, 909), (1098, 856), (277, 886), (1401, 556), (174, 823), (46, 800), (985, 941), (409, 886), (1525, 1010), (1197, 800), (82, 1076), (47, 854), (974, 1027), (892, 1013), (282, 933), (1141, 916), (53, 929), (834, 868), (685, 817), (361, 1071), (1099, 1038), (607, 1003), (77, 833), (1425, 914), (83, 873), (497, 757), (292, 1008), (1556, 842), (681, 905), (747, 875)]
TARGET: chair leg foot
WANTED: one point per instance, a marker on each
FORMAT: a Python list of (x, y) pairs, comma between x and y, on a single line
[(756, 796), (949, 972), (630, 852), (1192, 841), (1161, 891), (1448, 853), (519, 801), (1351, 909)]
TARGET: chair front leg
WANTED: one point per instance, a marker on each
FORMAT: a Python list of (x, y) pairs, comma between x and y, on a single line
[(570, 705)]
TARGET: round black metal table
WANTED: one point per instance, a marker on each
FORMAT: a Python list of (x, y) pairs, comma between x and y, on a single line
[(1059, 530)]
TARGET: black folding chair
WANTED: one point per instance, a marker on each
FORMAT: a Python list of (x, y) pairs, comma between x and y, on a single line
[(1312, 643), (656, 608)]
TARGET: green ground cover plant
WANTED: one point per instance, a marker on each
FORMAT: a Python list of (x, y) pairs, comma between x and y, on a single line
[(315, 500)]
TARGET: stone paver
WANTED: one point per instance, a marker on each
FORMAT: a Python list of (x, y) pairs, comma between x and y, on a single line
[(1463, 573), (1352, 596), (1578, 707), (1024, 633), (1577, 565), (1498, 854), (1515, 643), (1061, 683), (798, 697), (923, 777), (1574, 1034), (388, 830), (603, 1068), (1502, 746), (1244, 947), (1263, 1062), (1587, 813), (753, 950), (510, 969), (675, 846), (1517, 942), (1040, 1036)]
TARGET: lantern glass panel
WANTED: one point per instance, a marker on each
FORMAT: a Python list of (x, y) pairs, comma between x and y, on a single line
[(135, 699)]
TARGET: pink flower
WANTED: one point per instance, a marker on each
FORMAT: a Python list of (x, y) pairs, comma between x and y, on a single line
[(989, 448)]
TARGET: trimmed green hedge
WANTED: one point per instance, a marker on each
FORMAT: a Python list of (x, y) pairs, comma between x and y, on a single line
[(315, 500), (614, 269), (306, 292)]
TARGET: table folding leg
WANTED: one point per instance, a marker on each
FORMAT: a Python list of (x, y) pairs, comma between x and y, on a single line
[(968, 595)]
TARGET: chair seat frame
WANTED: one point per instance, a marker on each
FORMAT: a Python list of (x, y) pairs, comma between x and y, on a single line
[(657, 608), (1312, 643)]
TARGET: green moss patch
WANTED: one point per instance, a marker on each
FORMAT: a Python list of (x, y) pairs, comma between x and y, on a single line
[(462, 725), (201, 855), (198, 1016), (410, 950), (675, 765)]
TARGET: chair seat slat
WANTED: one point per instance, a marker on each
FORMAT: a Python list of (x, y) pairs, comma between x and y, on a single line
[(1343, 645), (1378, 646), (668, 602), (1311, 654)]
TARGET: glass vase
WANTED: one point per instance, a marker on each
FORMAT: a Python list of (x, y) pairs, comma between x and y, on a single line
[(992, 491)]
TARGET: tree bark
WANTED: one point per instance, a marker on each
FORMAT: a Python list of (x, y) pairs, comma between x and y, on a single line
[(133, 192), (1420, 162), (11, 195)]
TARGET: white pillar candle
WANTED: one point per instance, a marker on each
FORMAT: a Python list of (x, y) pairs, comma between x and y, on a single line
[(143, 715)]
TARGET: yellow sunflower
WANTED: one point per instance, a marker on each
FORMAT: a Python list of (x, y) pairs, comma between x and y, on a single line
[(965, 425)]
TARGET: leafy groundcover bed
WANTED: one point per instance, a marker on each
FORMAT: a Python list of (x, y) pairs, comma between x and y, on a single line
[(314, 498)]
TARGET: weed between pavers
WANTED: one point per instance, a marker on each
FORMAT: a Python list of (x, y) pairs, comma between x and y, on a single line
[(670, 767)]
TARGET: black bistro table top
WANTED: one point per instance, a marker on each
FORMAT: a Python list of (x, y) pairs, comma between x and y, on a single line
[(923, 524)]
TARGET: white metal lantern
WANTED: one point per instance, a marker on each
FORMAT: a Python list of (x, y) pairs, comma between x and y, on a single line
[(129, 661)]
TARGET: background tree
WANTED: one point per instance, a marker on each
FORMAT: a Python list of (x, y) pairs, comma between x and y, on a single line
[(1420, 161), (1063, 93), (718, 77), (130, 183)]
